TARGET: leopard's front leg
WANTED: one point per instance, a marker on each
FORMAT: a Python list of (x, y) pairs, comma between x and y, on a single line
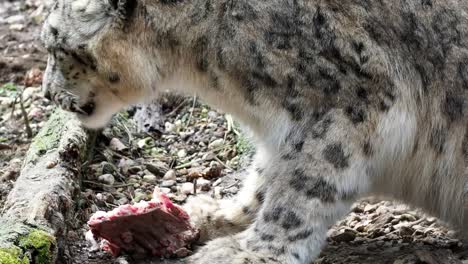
[(311, 184), (216, 218)]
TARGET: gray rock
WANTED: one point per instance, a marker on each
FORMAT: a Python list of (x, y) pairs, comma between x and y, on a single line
[(187, 188), (149, 178), (170, 175), (107, 179), (168, 183)]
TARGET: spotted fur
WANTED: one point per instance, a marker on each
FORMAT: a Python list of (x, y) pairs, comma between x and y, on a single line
[(344, 99)]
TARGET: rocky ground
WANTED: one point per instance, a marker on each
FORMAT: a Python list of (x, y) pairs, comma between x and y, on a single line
[(185, 148), (22, 60)]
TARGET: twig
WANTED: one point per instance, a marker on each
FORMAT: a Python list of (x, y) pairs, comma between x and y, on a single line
[(177, 108), (195, 186), (25, 115), (107, 185), (4, 146), (222, 163), (185, 165), (191, 111)]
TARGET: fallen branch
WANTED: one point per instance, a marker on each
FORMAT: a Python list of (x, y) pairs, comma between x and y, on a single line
[(37, 209)]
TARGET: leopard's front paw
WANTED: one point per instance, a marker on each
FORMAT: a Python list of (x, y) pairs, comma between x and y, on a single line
[(70, 102), (228, 250)]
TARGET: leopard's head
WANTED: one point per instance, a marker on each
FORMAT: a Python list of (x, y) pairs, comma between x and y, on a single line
[(96, 61)]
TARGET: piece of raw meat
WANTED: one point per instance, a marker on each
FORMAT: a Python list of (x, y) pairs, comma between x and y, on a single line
[(157, 228)]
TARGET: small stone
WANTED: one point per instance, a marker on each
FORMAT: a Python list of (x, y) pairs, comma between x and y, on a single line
[(408, 217), (182, 153), (406, 231), (212, 172), (94, 208), (370, 208), (187, 188), (133, 179), (216, 143), (139, 196), (178, 124), (185, 135), (149, 178), (100, 197), (109, 198), (36, 113), (168, 183), (203, 184), (347, 236), (180, 198), (165, 190), (195, 173), (142, 143), (51, 164), (117, 145), (170, 175), (15, 19), (107, 179), (122, 201), (209, 156), (212, 114), (169, 127), (157, 168), (125, 164), (17, 27)]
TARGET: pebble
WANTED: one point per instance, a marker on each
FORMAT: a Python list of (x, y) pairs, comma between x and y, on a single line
[(212, 172), (157, 168), (117, 145), (36, 113), (170, 175), (165, 190), (212, 114), (139, 196), (142, 143), (203, 184), (195, 173), (122, 201), (209, 156), (149, 178), (51, 164), (347, 235), (182, 153), (216, 143), (168, 183), (17, 27), (15, 19), (169, 127), (180, 198), (107, 179), (187, 188)]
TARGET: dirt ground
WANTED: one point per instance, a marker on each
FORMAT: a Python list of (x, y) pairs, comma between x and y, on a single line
[(185, 148)]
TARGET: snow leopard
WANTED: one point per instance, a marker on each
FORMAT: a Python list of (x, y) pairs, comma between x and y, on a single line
[(343, 98)]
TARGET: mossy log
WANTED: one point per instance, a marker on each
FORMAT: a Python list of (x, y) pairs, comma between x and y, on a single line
[(34, 218)]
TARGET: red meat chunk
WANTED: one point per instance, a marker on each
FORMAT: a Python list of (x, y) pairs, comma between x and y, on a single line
[(158, 228)]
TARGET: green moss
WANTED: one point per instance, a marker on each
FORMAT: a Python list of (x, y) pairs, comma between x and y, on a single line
[(8, 89), (41, 244), (12, 256), (49, 137)]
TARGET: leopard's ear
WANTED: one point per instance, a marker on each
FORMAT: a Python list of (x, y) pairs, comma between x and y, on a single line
[(124, 8)]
